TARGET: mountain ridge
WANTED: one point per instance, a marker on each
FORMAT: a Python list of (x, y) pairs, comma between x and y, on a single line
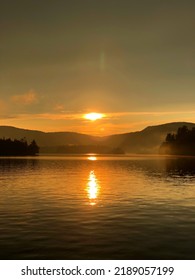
[(147, 140)]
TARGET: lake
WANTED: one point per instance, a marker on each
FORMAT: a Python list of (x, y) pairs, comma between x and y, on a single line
[(97, 207)]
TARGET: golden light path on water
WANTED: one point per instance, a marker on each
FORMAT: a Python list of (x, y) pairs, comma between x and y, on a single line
[(92, 188)]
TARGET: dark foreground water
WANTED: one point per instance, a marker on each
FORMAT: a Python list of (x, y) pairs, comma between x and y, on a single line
[(97, 208)]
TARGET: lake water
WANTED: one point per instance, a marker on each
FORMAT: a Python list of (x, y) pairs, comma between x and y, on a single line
[(87, 207)]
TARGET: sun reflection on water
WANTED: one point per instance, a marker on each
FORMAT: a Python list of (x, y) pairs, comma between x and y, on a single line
[(92, 188)]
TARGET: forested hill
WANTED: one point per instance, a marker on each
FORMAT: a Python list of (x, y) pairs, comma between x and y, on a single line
[(147, 140), (16, 147), (180, 143), (46, 138)]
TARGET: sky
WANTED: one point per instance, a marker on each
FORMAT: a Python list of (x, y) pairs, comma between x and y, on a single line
[(132, 60)]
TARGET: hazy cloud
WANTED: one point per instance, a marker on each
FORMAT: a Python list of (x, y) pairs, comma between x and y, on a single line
[(113, 123), (146, 113), (3, 106), (108, 116), (59, 108), (25, 99)]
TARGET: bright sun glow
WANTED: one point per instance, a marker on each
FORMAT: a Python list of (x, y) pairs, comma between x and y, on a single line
[(93, 116), (92, 158)]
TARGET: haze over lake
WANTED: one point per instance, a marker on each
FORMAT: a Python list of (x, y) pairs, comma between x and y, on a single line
[(97, 207)]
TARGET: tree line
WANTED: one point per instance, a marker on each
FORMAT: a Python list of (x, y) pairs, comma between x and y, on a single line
[(16, 147), (180, 143)]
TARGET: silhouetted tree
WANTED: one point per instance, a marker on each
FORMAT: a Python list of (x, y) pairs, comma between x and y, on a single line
[(181, 143), (33, 149), (170, 137), (182, 134), (16, 147)]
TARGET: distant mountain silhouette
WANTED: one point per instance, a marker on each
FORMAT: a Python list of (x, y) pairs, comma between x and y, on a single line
[(146, 141)]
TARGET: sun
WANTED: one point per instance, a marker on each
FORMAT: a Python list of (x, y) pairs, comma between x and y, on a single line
[(93, 116)]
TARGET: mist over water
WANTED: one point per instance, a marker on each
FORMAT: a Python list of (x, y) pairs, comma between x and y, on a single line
[(57, 207)]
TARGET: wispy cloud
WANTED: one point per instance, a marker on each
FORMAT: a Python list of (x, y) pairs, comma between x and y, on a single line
[(7, 117), (58, 108), (56, 116), (113, 123), (25, 99), (147, 113), (108, 116), (3, 106)]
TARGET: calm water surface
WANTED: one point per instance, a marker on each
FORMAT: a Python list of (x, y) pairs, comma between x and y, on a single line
[(97, 208)]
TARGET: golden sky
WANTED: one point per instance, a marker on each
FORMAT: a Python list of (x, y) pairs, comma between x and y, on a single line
[(132, 61)]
